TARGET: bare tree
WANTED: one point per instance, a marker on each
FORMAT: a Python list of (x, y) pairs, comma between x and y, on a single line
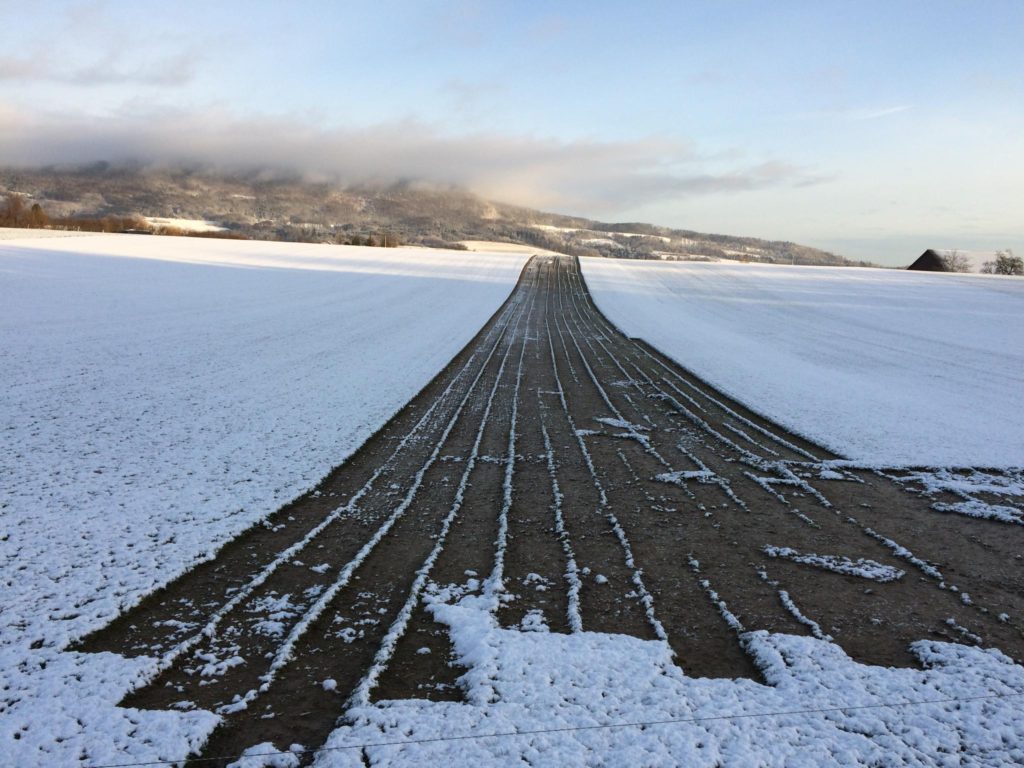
[(37, 218), (1005, 264), (954, 261), (13, 212)]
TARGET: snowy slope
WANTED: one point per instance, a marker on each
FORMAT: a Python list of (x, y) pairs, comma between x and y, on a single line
[(881, 366), (161, 394)]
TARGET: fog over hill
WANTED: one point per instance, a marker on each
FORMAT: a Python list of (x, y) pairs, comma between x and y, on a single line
[(277, 207)]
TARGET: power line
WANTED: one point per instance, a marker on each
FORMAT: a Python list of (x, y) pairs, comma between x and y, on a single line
[(568, 729)]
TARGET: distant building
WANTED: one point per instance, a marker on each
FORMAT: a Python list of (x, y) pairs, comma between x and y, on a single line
[(934, 260), (929, 261)]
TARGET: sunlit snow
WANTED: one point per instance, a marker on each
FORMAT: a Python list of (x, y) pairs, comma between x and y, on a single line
[(882, 366)]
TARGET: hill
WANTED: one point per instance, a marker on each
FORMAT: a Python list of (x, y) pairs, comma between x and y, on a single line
[(260, 206)]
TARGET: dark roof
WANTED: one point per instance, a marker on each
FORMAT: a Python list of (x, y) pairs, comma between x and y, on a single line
[(929, 261)]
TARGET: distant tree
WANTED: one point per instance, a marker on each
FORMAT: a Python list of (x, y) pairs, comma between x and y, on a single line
[(1008, 264), (13, 212), (1005, 264), (37, 217), (955, 261)]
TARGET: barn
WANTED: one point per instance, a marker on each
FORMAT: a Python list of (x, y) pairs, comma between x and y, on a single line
[(929, 261)]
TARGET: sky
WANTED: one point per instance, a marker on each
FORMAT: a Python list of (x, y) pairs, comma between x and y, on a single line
[(872, 129)]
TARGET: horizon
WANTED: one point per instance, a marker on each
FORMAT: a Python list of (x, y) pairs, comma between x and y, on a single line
[(871, 131)]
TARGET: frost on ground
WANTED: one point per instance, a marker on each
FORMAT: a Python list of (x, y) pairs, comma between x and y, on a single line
[(550, 684), (160, 396), (888, 366)]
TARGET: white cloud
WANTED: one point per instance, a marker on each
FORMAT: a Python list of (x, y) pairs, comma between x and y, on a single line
[(875, 113), (582, 175)]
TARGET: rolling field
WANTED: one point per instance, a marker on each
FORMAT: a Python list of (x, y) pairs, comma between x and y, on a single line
[(564, 535)]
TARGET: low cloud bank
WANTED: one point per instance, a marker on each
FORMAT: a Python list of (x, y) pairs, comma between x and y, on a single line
[(583, 175)]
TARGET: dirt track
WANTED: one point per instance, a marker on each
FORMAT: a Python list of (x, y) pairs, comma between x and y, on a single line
[(603, 487)]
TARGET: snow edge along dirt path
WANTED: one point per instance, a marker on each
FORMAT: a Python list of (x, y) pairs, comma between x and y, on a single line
[(841, 356), (101, 333)]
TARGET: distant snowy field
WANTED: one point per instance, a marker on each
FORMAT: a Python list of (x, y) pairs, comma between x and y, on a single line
[(882, 366), (162, 394), (17, 233)]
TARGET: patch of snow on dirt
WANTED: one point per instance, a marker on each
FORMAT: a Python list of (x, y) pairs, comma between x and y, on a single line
[(863, 567), (523, 688), (968, 484), (874, 364)]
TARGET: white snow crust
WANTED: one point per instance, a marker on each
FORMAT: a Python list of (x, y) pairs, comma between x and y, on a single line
[(893, 367), (159, 396), (528, 681)]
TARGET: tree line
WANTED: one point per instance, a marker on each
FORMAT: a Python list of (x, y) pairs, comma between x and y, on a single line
[(17, 214), (1005, 263)]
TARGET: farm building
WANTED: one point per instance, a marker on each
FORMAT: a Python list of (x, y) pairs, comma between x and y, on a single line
[(929, 261)]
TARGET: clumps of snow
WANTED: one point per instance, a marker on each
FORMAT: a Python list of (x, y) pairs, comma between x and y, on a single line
[(274, 612), (330, 684), (600, 578), (862, 567), (951, 622), (534, 621), (794, 611), (537, 582), (983, 511), (266, 755), (619, 423), (216, 666), (730, 618), (572, 572), (968, 485), (680, 477), (544, 699), (970, 481), (349, 634), (902, 552)]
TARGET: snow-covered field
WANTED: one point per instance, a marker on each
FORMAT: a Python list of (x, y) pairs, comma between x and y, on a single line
[(882, 366), (162, 394), (18, 233)]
